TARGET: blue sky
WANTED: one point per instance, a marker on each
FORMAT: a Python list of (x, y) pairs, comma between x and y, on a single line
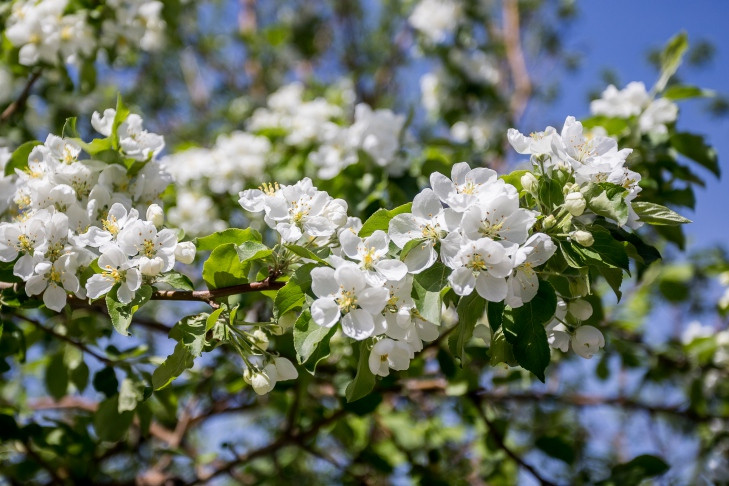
[(617, 34)]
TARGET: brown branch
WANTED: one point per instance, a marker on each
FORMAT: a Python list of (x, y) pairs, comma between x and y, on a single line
[(499, 439), (22, 99), (70, 341), (271, 448), (515, 58)]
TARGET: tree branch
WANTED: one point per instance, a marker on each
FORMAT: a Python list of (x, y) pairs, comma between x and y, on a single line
[(515, 58), (499, 439), (22, 99), (70, 341)]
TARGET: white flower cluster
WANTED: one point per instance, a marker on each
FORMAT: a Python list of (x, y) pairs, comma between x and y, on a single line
[(242, 158), (436, 19), (590, 158), (585, 340), (318, 123), (70, 211), (474, 218), (634, 100), (46, 32)]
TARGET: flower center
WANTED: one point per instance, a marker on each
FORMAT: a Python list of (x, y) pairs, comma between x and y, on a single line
[(269, 188), (110, 225), (431, 232), (55, 250), (476, 263), (113, 273), (26, 244), (149, 248), (347, 301), (368, 259)]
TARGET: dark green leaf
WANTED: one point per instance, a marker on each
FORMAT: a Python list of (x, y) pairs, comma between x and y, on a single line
[(364, 380), (56, 376), (110, 425), (524, 329), (695, 148), (637, 470), (176, 280), (175, 364), (470, 309), (608, 200), (306, 253), (427, 288)]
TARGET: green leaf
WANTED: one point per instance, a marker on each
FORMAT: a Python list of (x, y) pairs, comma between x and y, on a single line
[(110, 425), (306, 253), (682, 92), (308, 336), (608, 200), (105, 381), (557, 447), (130, 395), (671, 59), (524, 329), (610, 250), (102, 149), (289, 298), (19, 159), (223, 268), (214, 317), (231, 235), (495, 315), (364, 380), (122, 112), (252, 250), (80, 376), (56, 378), (427, 288), (695, 148), (69, 128), (501, 351), (121, 314), (614, 126), (190, 331), (637, 470), (380, 220), (514, 178), (658, 215), (176, 280), (180, 360), (470, 309)]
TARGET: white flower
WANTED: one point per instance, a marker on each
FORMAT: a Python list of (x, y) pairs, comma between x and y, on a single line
[(482, 265), (537, 143), (388, 353), (436, 18), (155, 215), (587, 341), (403, 321), (466, 188), (499, 217), (103, 123), (523, 283), (116, 268), (116, 220), (343, 293), (153, 251), (264, 380), (54, 280), (185, 252), (377, 133), (23, 237), (655, 117), (584, 238), (428, 223), (370, 253), (557, 333), (137, 143)]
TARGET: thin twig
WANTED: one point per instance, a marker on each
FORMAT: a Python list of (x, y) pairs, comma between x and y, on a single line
[(70, 341), (22, 99), (499, 439)]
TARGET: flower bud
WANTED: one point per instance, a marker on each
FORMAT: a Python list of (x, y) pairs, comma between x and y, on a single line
[(151, 266), (529, 182), (575, 203), (185, 252), (155, 215), (260, 339), (580, 309), (587, 341), (549, 221), (584, 238), (262, 381)]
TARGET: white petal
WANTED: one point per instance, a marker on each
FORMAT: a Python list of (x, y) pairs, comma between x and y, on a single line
[(350, 278), (54, 298), (325, 312), (98, 285), (285, 369), (491, 288), (404, 228), (392, 269), (350, 243), (358, 324), (373, 300), (426, 205), (323, 283), (421, 257), (462, 281)]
